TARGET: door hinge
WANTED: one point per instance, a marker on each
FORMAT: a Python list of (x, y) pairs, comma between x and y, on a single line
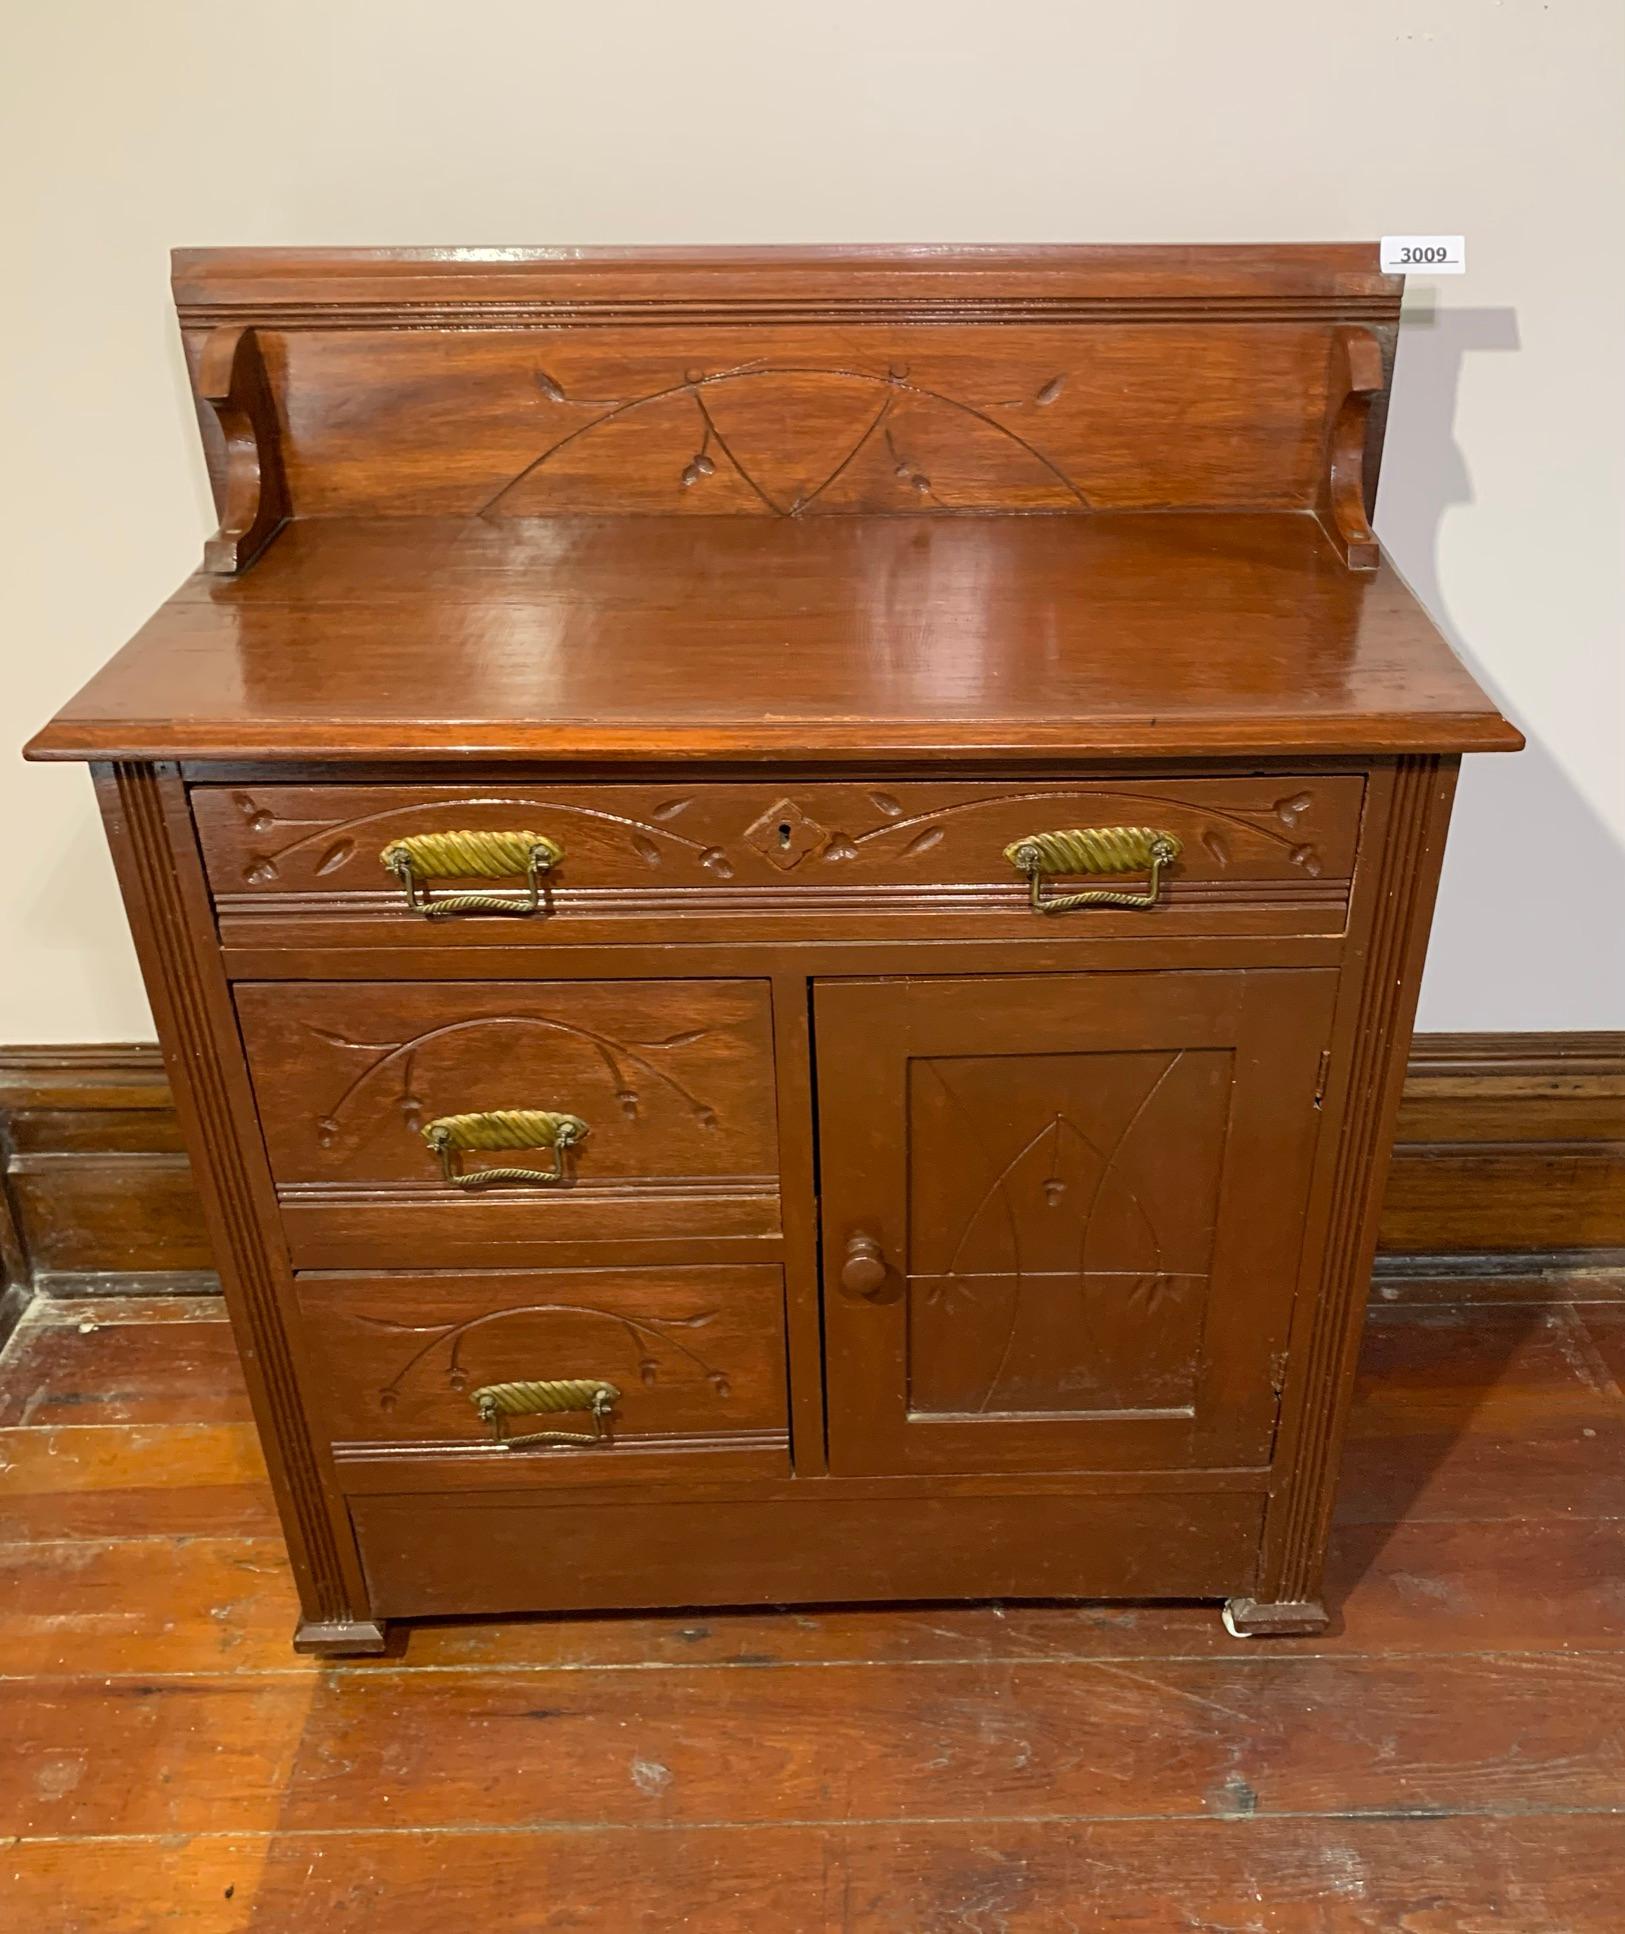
[(1323, 1075)]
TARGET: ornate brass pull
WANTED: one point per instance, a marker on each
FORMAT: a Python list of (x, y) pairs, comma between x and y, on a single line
[(496, 1401), (462, 856), (503, 1128), (864, 1272), (1094, 849)]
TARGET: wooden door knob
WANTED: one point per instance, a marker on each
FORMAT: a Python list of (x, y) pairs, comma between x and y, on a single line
[(864, 1272)]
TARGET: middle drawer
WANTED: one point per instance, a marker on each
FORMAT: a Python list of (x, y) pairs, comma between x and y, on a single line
[(668, 1087)]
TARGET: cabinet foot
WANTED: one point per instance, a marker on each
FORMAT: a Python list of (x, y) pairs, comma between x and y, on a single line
[(1246, 1618), (339, 1638)]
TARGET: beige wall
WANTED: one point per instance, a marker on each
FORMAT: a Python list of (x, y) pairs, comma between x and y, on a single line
[(133, 125)]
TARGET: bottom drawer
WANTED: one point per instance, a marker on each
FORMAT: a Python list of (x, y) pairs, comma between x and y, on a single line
[(427, 1556), (450, 1374)]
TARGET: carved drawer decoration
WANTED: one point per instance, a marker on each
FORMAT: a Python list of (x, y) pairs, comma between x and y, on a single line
[(1266, 853), (693, 1357), (667, 1087)]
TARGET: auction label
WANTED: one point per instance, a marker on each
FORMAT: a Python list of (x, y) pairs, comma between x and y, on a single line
[(1424, 255)]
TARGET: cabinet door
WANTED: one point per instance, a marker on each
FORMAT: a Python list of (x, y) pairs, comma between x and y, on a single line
[(1063, 1215)]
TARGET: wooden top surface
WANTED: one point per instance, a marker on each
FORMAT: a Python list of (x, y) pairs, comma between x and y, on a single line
[(854, 638)]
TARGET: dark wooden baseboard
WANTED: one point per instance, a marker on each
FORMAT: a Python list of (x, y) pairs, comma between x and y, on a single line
[(1510, 1166), (1510, 1145), (97, 1190)]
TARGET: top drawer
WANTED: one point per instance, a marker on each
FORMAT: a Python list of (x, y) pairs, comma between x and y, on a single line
[(302, 865)]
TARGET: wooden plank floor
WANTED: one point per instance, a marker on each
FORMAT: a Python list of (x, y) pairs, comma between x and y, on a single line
[(1451, 1756)]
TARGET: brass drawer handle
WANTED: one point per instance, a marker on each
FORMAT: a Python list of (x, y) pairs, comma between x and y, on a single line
[(1094, 849), (448, 1135), (497, 1401), (462, 856)]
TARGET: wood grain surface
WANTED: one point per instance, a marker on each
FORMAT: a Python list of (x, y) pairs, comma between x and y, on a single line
[(849, 638)]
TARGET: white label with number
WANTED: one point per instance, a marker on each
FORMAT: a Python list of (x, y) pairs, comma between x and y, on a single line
[(1424, 255)]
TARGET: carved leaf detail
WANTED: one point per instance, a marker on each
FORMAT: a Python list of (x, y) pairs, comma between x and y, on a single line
[(613, 1053), (343, 1040), (1308, 859), (259, 869), (883, 802), (712, 451), (718, 862), (1217, 846), (645, 849), (335, 856), (683, 1040), (669, 808), (648, 1333), (258, 819), (922, 842), (1149, 1294), (839, 847), (1290, 811)]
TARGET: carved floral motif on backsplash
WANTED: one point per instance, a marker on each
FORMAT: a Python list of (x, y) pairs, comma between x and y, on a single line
[(852, 413)]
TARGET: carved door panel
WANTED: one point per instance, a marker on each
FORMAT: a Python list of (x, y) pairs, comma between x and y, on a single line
[(1062, 1215)]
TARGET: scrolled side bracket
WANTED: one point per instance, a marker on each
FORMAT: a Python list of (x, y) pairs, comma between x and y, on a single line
[(232, 380), (1355, 381)]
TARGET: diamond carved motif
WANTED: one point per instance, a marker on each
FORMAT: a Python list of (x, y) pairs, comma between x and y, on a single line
[(786, 835)]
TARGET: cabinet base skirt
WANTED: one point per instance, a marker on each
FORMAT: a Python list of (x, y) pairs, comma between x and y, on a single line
[(471, 1555)]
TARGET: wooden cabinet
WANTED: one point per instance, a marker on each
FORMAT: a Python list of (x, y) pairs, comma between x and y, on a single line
[(784, 894)]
